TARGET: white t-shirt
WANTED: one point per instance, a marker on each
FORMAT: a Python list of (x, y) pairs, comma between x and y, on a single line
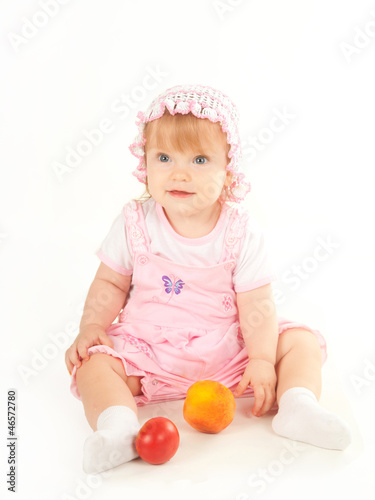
[(251, 271)]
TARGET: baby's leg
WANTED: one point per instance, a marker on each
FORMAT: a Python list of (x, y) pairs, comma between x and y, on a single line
[(102, 382), (298, 362), (107, 395), (300, 417)]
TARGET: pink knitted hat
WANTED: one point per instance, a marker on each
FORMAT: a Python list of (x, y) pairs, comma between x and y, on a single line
[(203, 102)]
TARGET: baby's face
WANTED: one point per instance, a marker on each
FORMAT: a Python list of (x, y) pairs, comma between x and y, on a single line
[(187, 183)]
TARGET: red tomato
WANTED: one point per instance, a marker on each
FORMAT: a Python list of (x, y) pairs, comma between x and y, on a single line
[(157, 440)]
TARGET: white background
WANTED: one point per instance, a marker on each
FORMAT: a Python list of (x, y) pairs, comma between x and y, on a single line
[(65, 68)]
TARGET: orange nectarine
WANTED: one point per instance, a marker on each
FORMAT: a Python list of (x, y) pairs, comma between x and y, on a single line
[(209, 406)]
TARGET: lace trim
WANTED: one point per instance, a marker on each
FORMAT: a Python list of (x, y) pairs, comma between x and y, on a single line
[(137, 237), (234, 235)]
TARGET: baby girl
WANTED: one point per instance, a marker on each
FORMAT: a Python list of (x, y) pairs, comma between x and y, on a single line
[(185, 272)]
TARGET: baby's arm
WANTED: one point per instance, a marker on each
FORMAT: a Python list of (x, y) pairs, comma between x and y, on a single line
[(105, 299), (259, 327)]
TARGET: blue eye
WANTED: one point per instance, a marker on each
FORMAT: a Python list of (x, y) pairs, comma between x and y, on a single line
[(199, 159), (163, 158)]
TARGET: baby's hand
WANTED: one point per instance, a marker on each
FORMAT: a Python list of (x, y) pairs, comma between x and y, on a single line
[(77, 352), (261, 376)]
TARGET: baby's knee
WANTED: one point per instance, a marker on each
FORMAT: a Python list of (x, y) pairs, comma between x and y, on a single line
[(307, 340), (100, 362), (298, 338)]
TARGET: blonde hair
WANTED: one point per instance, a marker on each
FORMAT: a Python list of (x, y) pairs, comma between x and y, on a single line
[(184, 132)]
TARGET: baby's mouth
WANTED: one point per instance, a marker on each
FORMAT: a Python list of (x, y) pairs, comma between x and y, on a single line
[(181, 194)]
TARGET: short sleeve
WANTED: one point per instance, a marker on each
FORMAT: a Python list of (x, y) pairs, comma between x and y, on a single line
[(253, 268), (115, 251)]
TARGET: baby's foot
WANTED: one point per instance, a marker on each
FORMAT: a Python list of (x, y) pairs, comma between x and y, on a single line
[(114, 442), (106, 449), (300, 417)]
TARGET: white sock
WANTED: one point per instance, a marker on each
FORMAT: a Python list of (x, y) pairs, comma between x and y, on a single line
[(114, 441), (300, 417)]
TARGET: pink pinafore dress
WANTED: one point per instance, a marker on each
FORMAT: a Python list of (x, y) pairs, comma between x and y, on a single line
[(181, 323)]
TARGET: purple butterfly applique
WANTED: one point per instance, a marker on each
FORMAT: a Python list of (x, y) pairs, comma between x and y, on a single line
[(172, 286)]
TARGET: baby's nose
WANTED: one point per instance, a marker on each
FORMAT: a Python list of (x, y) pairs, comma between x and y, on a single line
[(180, 171)]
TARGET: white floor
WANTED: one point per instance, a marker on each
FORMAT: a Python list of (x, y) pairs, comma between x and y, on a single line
[(245, 461)]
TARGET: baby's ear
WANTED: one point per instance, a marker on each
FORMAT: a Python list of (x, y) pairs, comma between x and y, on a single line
[(229, 178)]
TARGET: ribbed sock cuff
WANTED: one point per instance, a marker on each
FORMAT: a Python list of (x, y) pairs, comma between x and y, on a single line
[(294, 392), (116, 415)]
